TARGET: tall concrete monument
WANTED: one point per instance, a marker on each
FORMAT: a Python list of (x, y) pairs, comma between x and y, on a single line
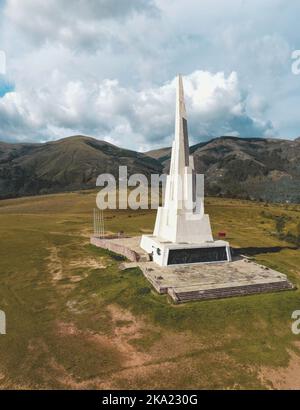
[(182, 232), (185, 262)]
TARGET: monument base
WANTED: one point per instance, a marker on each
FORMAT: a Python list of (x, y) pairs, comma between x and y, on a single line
[(166, 253), (240, 277), (198, 281)]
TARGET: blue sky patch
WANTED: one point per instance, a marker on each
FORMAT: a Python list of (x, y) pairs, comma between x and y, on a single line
[(5, 86)]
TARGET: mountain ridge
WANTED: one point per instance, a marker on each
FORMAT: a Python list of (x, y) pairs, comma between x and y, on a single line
[(71, 163), (265, 169)]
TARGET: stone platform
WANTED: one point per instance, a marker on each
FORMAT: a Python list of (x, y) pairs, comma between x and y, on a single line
[(213, 281), (126, 246), (184, 283)]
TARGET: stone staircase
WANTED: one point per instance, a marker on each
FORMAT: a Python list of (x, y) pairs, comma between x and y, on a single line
[(187, 294)]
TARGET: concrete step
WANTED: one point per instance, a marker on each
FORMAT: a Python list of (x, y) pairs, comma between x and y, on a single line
[(180, 295)]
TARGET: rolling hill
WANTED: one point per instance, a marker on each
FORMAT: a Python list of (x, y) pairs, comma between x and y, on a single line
[(68, 164), (251, 168)]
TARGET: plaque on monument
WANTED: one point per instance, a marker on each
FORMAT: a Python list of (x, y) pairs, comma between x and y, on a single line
[(197, 255)]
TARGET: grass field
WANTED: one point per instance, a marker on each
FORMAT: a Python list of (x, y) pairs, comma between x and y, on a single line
[(75, 320)]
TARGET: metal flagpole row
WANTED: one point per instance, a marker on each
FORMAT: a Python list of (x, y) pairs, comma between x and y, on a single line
[(94, 222), (99, 229), (100, 223)]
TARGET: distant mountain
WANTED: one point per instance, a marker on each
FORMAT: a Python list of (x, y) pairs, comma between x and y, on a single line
[(255, 168), (68, 164)]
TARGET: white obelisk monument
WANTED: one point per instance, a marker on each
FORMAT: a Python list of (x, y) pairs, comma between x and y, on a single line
[(182, 233)]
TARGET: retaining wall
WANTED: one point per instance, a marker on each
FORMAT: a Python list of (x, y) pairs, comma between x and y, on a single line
[(112, 245)]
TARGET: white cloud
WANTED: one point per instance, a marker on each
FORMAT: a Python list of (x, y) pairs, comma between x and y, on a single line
[(81, 24), (219, 107), (105, 68), (143, 119)]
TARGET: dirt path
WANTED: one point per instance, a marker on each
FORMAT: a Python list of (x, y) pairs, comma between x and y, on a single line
[(283, 378), (54, 264)]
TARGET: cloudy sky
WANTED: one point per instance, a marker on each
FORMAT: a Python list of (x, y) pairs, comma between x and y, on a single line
[(106, 68)]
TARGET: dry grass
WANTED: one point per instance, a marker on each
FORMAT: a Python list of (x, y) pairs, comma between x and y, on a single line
[(75, 320)]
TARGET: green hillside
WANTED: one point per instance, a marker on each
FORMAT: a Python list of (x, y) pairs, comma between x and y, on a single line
[(68, 164), (246, 168), (75, 320)]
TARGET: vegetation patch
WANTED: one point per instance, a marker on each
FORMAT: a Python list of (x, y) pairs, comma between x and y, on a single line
[(97, 326)]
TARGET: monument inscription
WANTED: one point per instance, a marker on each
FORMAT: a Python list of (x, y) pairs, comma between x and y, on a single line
[(197, 255)]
